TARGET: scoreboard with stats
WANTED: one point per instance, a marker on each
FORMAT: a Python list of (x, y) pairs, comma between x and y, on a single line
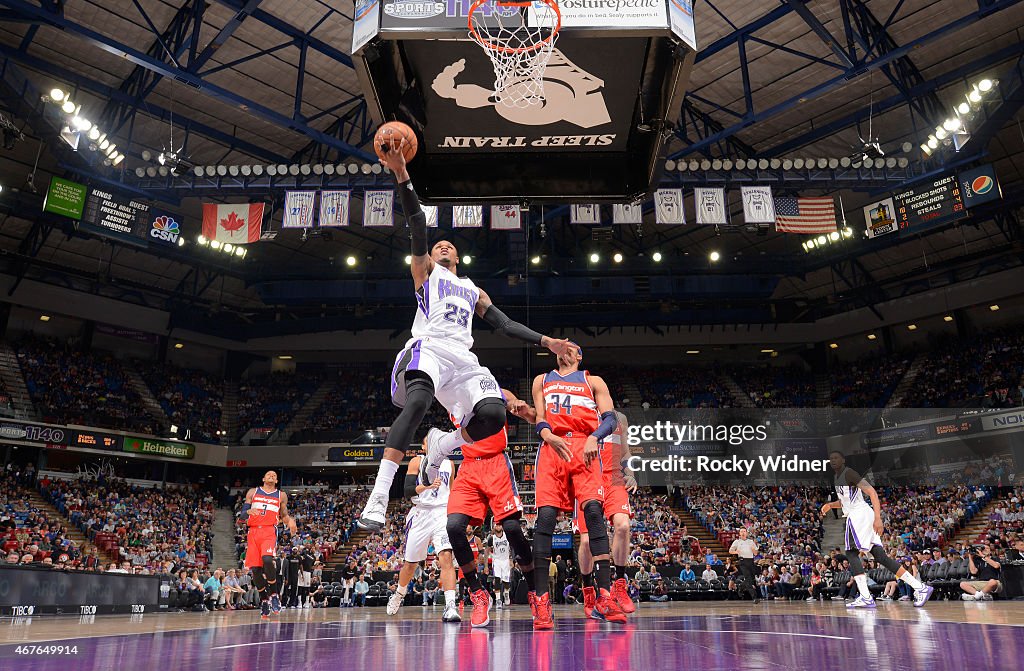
[(928, 205)]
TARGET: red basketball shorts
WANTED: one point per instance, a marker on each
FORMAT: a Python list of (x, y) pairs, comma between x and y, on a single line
[(560, 483), (260, 542), (482, 483), (616, 501)]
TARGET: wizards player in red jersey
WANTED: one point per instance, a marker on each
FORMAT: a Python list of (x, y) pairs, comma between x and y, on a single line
[(264, 508), (485, 480), (619, 482), (574, 414)]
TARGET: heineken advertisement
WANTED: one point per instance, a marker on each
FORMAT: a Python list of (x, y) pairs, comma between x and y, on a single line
[(159, 447)]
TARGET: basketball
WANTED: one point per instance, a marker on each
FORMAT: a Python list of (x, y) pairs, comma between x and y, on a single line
[(390, 136)]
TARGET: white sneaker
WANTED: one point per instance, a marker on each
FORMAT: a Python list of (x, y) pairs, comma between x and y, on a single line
[(810, 598), (861, 602), (984, 596), (430, 466), (451, 613), (967, 597), (395, 602), (500, 603), (904, 598), (508, 599), (372, 517)]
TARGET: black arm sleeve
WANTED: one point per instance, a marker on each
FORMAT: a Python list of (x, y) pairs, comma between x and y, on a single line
[(505, 326), (410, 485), (414, 215)]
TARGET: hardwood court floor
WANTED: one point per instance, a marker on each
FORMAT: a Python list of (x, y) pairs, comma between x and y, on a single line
[(700, 635)]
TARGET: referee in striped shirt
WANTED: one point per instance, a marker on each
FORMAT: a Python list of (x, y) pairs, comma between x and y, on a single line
[(745, 548)]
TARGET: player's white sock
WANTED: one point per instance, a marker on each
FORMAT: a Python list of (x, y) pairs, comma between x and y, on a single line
[(402, 589), (449, 597), (451, 441), (909, 578), (385, 476), (862, 585)]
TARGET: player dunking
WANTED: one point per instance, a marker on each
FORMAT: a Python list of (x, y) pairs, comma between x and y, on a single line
[(485, 480), (425, 525), (263, 509), (574, 414), (437, 360), (864, 532)]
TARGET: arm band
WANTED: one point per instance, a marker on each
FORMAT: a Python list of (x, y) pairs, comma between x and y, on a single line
[(505, 326), (410, 485), (541, 426), (414, 215), (243, 514), (607, 425)]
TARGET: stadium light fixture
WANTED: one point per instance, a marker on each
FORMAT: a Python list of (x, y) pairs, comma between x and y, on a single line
[(181, 241), (408, 260), (985, 85), (833, 236), (285, 357), (179, 345), (467, 259), (847, 232), (693, 351), (228, 247), (68, 107), (993, 307), (714, 257), (617, 257), (952, 124), (44, 318), (350, 261), (821, 240), (871, 336), (767, 350), (833, 345), (202, 241), (240, 252), (963, 108), (57, 95), (911, 327), (595, 257), (535, 260), (117, 160), (215, 244), (947, 318), (656, 257), (974, 96)]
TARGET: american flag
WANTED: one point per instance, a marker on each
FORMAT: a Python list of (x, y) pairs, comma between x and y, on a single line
[(805, 215)]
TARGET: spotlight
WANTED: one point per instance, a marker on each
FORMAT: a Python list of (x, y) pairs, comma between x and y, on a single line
[(408, 260), (215, 244), (871, 336), (767, 350), (44, 318), (617, 257), (952, 124), (467, 259), (847, 232), (68, 107), (240, 252), (974, 96), (595, 257), (833, 345), (926, 149), (833, 236), (985, 85), (993, 308), (535, 260), (81, 123), (963, 108), (94, 134), (714, 256), (810, 244), (202, 240), (178, 345), (947, 318), (940, 133), (181, 241), (804, 245), (118, 159), (821, 240), (228, 247), (693, 351), (56, 95), (933, 143), (656, 256), (911, 327), (350, 261)]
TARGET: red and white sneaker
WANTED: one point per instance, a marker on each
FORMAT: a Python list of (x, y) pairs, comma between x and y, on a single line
[(481, 608), (607, 609), (542, 620), (589, 600), (531, 598), (620, 592)]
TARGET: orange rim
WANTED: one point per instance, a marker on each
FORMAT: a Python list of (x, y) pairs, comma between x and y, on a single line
[(491, 46)]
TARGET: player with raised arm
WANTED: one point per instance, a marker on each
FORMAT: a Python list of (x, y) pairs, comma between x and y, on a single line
[(264, 508), (426, 525), (437, 361), (864, 532), (574, 414), (485, 481)]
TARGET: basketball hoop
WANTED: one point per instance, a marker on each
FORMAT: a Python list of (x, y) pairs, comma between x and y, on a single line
[(518, 37)]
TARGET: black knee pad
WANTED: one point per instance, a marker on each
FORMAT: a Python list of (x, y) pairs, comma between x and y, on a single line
[(879, 554), (419, 395), (547, 517), (488, 419), (269, 569), (456, 529), (856, 565), (517, 540), (593, 513)]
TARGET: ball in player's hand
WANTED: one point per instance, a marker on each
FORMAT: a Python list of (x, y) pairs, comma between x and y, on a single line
[(395, 135)]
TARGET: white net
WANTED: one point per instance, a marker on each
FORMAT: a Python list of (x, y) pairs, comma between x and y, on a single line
[(519, 41)]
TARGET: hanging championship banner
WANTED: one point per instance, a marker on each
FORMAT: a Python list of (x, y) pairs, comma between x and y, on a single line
[(467, 216), (378, 208), (585, 214), (505, 218), (630, 213), (298, 209), (334, 208), (668, 206), (710, 205), (430, 212), (758, 207)]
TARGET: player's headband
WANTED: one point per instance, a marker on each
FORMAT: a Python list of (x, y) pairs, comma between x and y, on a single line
[(577, 346)]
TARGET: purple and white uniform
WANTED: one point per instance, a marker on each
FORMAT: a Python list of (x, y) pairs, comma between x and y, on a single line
[(442, 335), (860, 516), (427, 522)]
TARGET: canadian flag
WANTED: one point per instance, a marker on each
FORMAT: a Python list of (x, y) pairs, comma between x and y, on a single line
[(235, 223)]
